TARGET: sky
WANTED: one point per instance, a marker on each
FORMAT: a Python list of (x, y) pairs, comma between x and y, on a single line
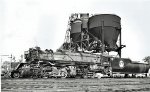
[(29, 23)]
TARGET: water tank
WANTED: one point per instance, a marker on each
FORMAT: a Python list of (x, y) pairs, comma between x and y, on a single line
[(111, 31), (75, 33)]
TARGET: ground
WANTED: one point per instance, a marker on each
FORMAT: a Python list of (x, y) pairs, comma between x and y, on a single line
[(76, 85)]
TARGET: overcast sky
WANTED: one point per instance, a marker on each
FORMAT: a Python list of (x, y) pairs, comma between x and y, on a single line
[(27, 23)]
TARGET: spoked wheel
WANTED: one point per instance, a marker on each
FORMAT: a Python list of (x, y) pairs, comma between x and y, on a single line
[(35, 73), (85, 75), (64, 74), (16, 75)]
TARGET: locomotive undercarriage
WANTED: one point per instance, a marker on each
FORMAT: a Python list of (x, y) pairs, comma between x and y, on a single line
[(44, 70)]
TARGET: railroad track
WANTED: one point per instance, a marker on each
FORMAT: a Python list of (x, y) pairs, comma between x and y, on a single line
[(76, 85)]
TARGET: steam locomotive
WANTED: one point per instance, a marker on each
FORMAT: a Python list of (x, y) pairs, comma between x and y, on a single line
[(85, 53)]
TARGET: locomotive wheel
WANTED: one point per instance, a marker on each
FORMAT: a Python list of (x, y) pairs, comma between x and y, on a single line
[(85, 76), (34, 76), (16, 75), (63, 74), (44, 75)]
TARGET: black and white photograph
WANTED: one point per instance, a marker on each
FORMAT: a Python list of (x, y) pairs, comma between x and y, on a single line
[(75, 45)]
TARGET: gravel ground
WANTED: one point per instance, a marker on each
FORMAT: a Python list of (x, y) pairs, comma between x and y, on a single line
[(76, 85)]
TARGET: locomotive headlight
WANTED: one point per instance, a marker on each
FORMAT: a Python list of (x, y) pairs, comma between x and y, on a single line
[(121, 64)]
